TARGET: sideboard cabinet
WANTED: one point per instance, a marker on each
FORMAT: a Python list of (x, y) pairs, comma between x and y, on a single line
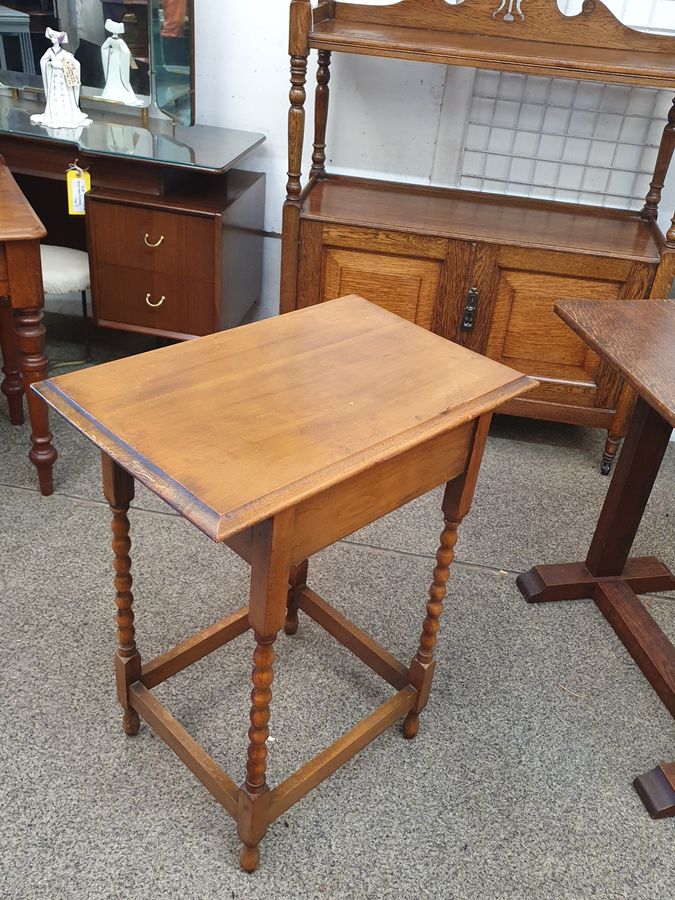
[(173, 229), (483, 270)]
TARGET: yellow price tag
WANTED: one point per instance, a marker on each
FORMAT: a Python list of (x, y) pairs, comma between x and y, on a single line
[(78, 182)]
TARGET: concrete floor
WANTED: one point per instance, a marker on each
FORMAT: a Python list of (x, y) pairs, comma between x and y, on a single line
[(518, 786)]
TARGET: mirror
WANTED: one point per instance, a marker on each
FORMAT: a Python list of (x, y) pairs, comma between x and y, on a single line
[(172, 37), (158, 33)]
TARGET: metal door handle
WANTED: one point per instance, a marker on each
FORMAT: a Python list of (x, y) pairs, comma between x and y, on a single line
[(148, 300), (469, 317), (148, 242)]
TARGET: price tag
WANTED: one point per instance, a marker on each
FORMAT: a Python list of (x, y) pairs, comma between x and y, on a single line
[(71, 71), (78, 182)]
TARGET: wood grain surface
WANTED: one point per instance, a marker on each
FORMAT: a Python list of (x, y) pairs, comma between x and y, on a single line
[(18, 222), (592, 45), (237, 426), (636, 338)]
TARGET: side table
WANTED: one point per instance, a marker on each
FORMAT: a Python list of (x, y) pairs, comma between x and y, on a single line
[(638, 339), (22, 332), (280, 438)]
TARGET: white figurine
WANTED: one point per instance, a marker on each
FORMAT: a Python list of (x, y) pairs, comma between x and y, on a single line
[(61, 80), (116, 58)]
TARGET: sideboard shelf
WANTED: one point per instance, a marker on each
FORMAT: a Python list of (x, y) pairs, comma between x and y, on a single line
[(539, 44), (484, 270), (493, 218)]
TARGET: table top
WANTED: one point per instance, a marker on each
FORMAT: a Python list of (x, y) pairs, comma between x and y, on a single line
[(18, 222), (113, 132), (637, 337), (234, 427)]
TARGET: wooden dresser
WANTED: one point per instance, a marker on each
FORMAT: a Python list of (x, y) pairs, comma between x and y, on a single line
[(483, 270), (173, 230)]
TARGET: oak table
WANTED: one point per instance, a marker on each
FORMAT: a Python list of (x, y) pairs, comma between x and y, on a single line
[(638, 339), (278, 439), (22, 332)]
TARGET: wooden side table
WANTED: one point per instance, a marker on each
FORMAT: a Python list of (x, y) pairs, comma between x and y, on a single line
[(278, 439), (638, 339), (22, 332)]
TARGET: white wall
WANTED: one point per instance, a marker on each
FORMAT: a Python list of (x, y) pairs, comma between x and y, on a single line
[(388, 117)]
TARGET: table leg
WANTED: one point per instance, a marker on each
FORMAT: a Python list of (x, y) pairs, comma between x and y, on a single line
[(297, 580), (613, 581), (270, 567), (118, 487), (457, 502), (29, 332), (12, 385)]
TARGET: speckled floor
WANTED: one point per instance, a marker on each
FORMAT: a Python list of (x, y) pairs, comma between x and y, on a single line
[(518, 786)]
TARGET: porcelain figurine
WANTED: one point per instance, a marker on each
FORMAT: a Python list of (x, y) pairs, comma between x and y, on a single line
[(61, 81), (116, 59)]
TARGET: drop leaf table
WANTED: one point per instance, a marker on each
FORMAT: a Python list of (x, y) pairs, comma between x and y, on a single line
[(278, 439), (638, 339)]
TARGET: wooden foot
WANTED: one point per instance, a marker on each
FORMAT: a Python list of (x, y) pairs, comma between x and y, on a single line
[(12, 384), (609, 455), (297, 579), (573, 581), (130, 722), (249, 858), (411, 726), (29, 332), (657, 791), (118, 487)]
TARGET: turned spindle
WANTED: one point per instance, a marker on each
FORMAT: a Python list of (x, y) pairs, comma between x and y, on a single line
[(124, 601), (296, 580), (650, 211), (261, 697), (321, 113), (29, 331), (422, 667)]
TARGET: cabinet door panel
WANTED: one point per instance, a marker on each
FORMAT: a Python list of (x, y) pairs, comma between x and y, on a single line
[(407, 287), (526, 334)]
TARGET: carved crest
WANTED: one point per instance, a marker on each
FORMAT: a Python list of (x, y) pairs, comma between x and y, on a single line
[(509, 14)]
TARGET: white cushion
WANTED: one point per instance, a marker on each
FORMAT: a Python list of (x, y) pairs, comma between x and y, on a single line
[(64, 270)]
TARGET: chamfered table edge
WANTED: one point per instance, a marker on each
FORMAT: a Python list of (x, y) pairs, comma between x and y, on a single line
[(221, 526)]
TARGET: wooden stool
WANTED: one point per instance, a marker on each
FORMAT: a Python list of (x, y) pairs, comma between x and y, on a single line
[(278, 439)]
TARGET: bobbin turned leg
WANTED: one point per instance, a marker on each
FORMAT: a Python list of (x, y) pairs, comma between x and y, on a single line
[(423, 665), (29, 331), (270, 567), (12, 385), (118, 487), (297, 579), (456, 504)]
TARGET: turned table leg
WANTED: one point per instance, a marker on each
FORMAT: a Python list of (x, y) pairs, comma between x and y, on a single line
[(270, 567), (29, 332), (423, 665), (118, 487), (12, 385), (457, 502)]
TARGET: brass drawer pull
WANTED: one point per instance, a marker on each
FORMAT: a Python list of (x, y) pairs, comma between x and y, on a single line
[(148, 300), (148, 242)]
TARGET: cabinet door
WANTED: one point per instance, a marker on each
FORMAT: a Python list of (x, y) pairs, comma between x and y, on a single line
[(523, 331), (399, 272)]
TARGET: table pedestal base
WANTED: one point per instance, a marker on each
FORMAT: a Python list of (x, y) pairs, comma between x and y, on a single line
[(616, 597)]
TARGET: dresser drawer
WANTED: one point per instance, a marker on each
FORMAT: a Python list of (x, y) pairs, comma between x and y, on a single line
[(143, 237), (157, 301)]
